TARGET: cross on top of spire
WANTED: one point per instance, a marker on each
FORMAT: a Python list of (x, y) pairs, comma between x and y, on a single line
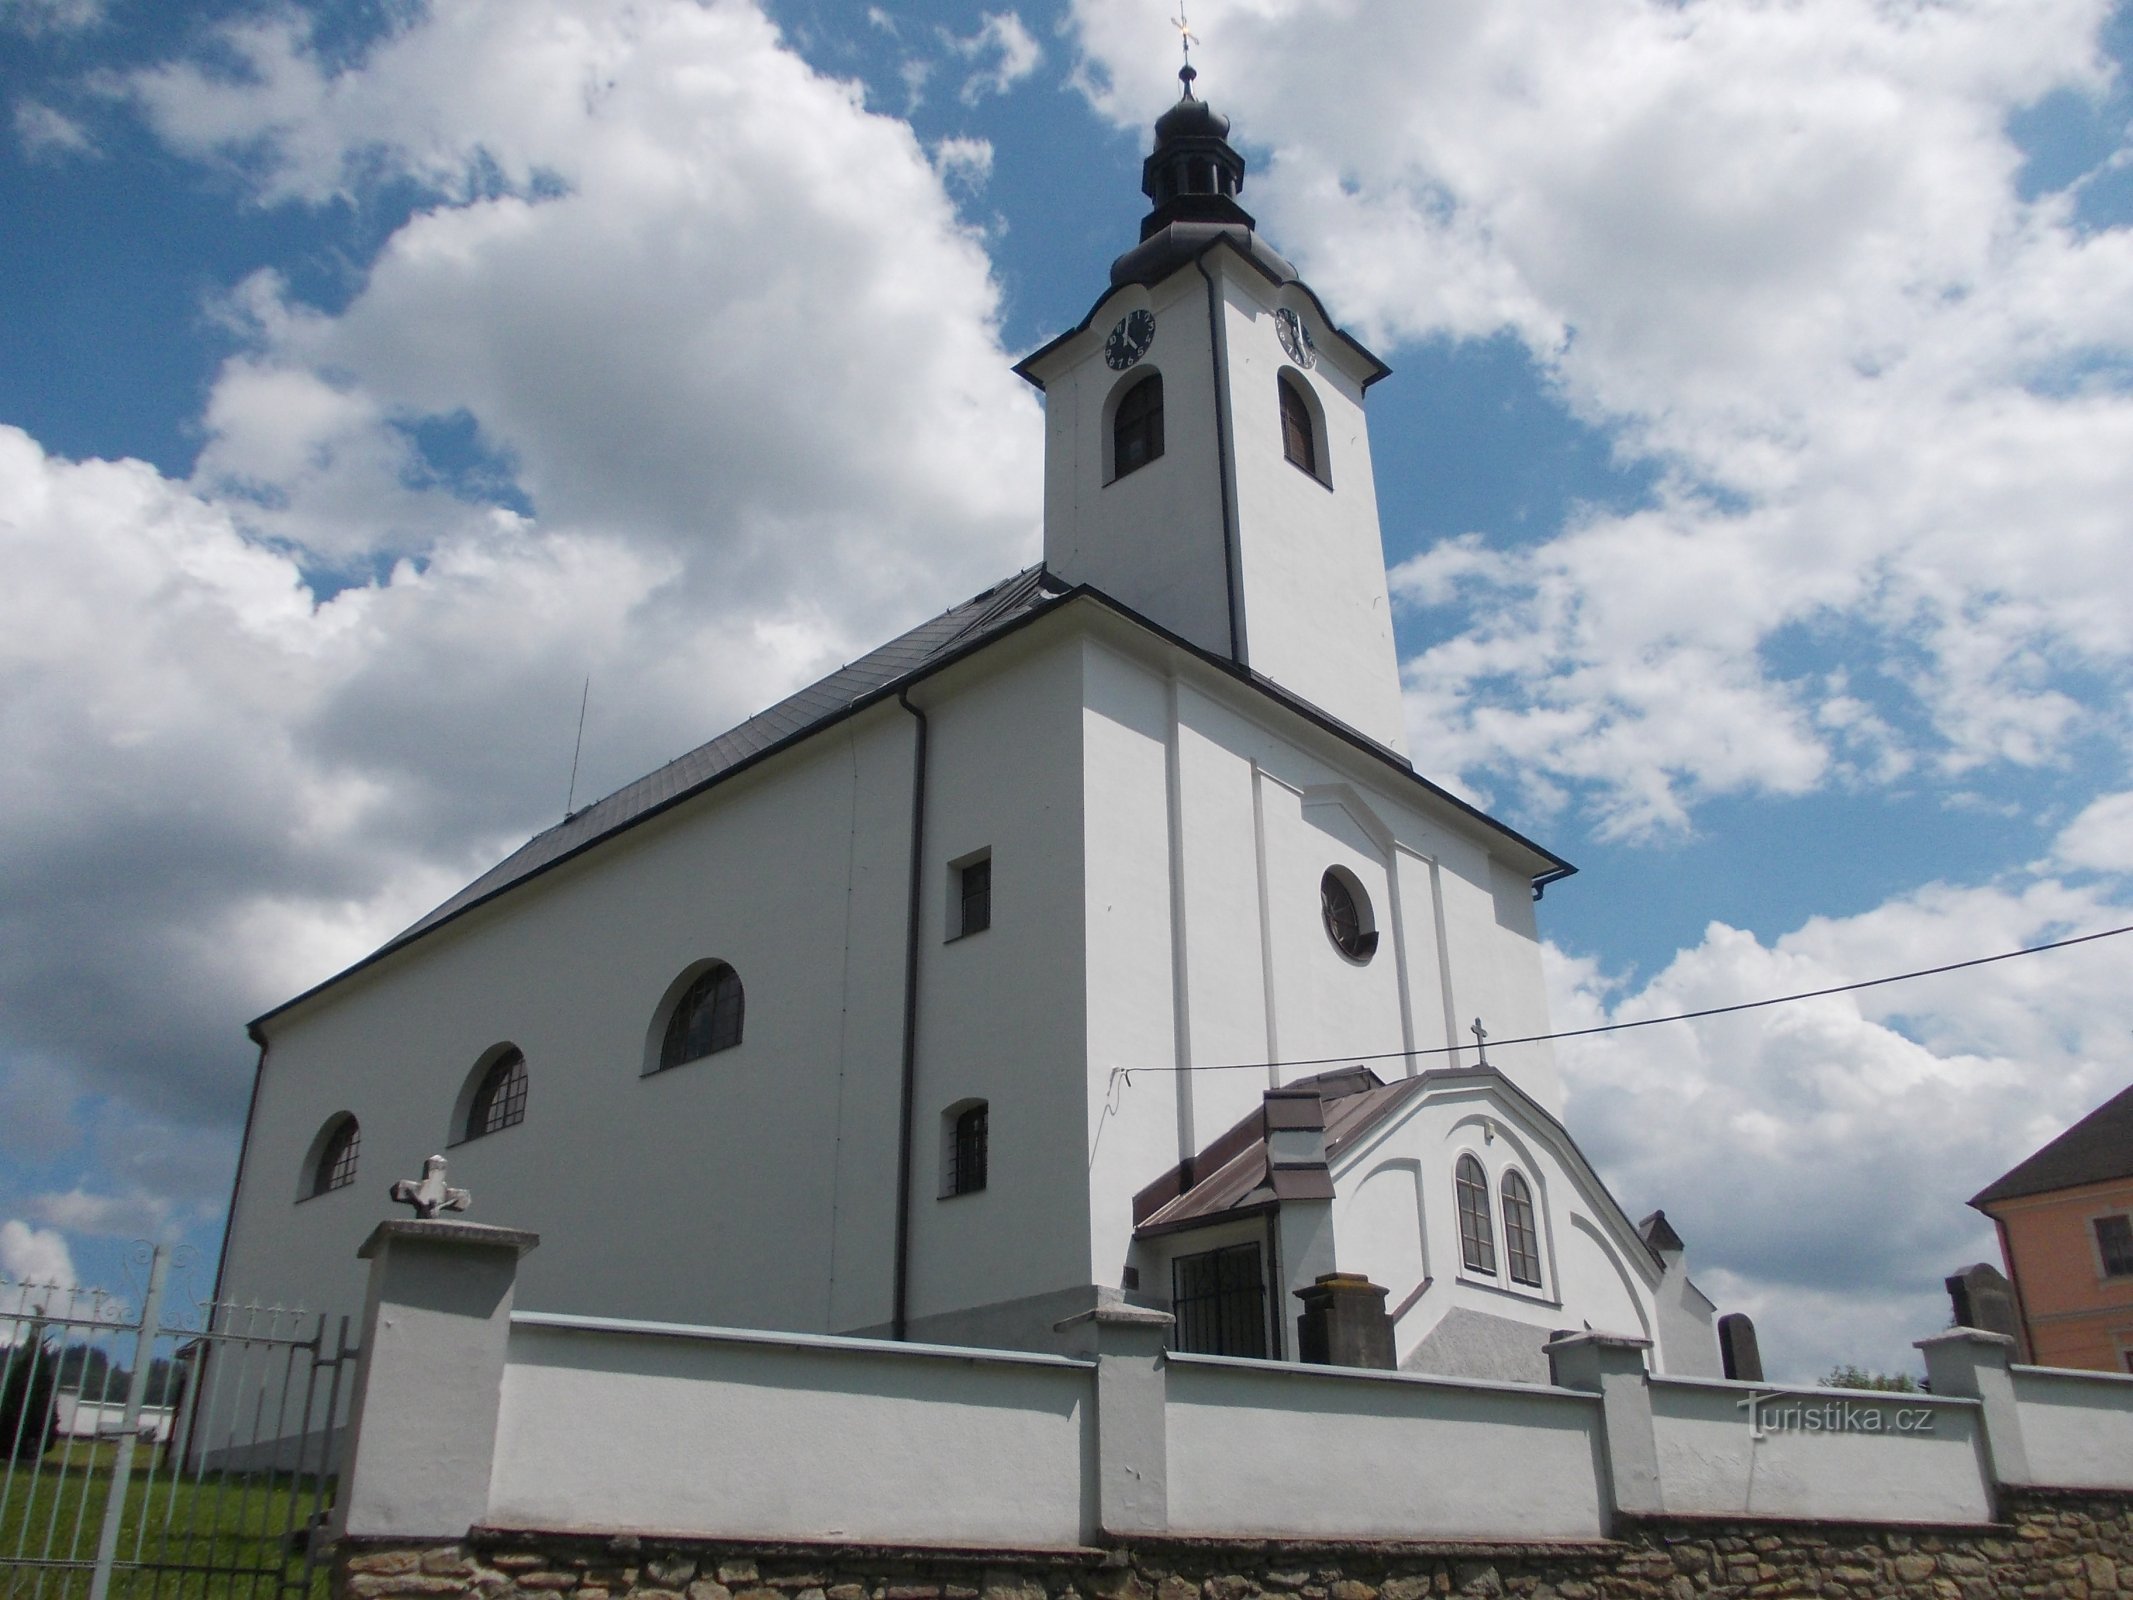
[(1186, 40)]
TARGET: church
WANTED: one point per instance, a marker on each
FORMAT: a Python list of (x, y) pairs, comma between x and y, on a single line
[(1094, 941)]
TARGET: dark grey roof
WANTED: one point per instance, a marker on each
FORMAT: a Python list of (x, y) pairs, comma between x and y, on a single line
[(957, 629), (2096, 1149), (795, 715)]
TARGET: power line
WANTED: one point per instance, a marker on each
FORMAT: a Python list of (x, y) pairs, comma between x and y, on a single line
[(1651, 1022)]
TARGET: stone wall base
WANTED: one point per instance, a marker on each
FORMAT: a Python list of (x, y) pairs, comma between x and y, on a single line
[(2065, 1546)]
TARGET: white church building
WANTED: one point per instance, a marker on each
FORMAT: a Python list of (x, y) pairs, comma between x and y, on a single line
[(1095, 940)]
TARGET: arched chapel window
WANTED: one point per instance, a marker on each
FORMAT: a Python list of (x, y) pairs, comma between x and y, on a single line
[(500, 1099), (335, 1165), (1521, 1238), (706, 1019), (1299, 440), (1477, 1242), (1137, 426)]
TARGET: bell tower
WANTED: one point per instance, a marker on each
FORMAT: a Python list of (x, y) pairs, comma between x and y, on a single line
[(1207, 461)]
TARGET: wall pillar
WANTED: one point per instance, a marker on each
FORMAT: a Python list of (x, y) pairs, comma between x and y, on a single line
[(436, 1321), (1132, 1429), (1611, 1365), (1972, 1364), (1343, 1323)]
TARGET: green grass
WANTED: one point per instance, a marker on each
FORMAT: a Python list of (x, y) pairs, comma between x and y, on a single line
[(52, 1511)]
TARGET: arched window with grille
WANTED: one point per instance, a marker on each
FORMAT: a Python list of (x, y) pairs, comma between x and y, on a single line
[(333, 1156), (1137, 426), (1299, 427), (499, 1099), (706, 1018), (1521, 1234), (1477, 1238)]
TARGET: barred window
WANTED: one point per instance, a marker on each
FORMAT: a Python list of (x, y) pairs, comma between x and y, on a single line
[(1521, 1237), (968, 1135), (706, 1019), (1219, 1300), (974, 897), (1137, 426), (2114, 1242), (336, 1165), (500, 1101), (1477, 1242), (1299, 441)]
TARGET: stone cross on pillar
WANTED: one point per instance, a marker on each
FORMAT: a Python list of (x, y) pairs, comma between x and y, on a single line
[(430, 1194), (1481, 1043)]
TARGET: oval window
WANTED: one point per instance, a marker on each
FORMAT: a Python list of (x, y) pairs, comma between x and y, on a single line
[(1346, 908)]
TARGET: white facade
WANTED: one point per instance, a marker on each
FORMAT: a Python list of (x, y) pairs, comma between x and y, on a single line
[(1157, 820)]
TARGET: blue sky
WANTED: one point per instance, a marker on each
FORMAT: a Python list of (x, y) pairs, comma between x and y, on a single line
[(1755, 477)]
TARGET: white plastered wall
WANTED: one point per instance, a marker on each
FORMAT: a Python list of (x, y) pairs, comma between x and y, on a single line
[(1318, 619), (1399, 1179), (755, 1187), (1211, 815)]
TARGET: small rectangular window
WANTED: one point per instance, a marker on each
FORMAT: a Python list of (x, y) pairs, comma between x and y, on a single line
[(2114, 1242), (974, 897), (1219, 1300)]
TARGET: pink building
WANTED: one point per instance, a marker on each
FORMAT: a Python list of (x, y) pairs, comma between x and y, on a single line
[(2065, 1218)]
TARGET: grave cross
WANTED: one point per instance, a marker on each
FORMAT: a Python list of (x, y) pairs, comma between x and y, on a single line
[(430, 1194), (1481, 1043)]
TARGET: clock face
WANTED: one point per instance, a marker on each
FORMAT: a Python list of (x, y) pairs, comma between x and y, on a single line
[(1130, 340), (1295, 338)]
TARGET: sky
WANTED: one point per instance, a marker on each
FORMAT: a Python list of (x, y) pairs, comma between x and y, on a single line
[(1756, 475)]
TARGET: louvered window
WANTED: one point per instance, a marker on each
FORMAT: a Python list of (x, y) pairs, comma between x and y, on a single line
[(1137, 427)]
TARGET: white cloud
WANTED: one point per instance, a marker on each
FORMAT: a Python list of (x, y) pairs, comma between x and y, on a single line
[(46, 135), (1015, 55), (722, 403), (1817, 1156), (34, 1256), (1781, 254), (51, 16), (2101, 838), (964, 162), (77, 1211)]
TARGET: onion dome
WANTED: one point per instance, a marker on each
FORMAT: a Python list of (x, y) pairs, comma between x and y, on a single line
[(1192, 176)]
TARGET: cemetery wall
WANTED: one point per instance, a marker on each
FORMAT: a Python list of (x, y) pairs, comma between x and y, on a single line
[(2078, 1546)]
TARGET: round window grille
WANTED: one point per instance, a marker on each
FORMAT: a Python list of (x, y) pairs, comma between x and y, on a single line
[(1346, 908)]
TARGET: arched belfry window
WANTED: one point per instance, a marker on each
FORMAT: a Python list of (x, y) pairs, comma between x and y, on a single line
[(1521, 1235), (1477, 1239), (499, 1099), (1137, 426), (1299, 428), (333, 1156), (705, 1019)]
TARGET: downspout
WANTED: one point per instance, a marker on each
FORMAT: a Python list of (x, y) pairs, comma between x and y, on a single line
[(899, 1320), (244, 1149), (1217, 348)]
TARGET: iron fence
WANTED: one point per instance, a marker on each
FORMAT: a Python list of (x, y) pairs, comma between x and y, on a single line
[(158, 1445)]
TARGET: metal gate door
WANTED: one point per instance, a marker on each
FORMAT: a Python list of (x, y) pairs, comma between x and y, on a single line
[(155, 1445)]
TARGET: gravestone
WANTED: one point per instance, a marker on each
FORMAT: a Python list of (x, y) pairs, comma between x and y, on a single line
[(1983, 1298), (1737, 1349)]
